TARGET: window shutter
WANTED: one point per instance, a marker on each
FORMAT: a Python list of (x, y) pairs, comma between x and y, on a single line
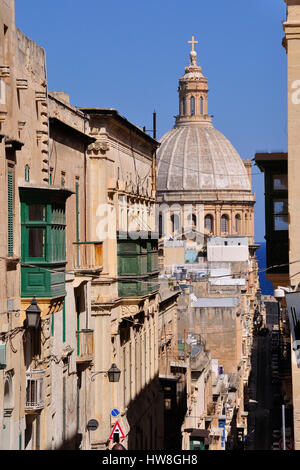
[(10, 213)]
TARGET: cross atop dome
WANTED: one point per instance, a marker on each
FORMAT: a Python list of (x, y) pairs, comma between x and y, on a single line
[(193, 42), (193, 53)]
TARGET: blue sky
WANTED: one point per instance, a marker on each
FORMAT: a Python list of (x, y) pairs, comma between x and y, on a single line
[(129, 55)]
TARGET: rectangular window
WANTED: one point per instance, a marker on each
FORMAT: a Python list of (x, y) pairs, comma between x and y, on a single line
[(36, 242), (280, 214), (43, 232), (36, 212), (10, 195), (280, 183)]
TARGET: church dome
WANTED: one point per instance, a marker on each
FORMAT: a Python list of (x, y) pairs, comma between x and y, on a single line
[(194, 156), (198, 157)]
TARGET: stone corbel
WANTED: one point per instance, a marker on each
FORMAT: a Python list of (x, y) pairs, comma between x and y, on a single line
[(3, 115), (102, 144), (4, 71), (22, 83), (40, 96), (129, 310)]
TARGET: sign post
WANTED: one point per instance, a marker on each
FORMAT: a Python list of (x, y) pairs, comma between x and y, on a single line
[(283, 427)]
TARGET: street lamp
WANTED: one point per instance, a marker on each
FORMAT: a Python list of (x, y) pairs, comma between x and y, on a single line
[(33, 315), (113, 373)]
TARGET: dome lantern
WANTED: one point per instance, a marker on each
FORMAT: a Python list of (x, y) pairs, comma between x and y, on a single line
[(193, 90)]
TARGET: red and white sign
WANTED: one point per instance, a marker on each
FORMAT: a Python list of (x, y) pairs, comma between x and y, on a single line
[(117, 429), (289, 444)]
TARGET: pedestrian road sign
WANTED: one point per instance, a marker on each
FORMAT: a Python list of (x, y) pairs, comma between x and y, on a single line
[(117, 429)]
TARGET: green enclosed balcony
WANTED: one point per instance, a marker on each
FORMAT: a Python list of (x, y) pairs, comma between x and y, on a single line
[(137, 264), (43, 247)]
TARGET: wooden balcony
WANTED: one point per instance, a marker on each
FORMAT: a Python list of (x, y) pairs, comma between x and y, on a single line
[(88, 257), (34, 390), (85, 345)]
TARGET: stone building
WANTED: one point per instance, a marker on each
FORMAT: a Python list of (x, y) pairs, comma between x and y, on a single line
[(78, 192), (281, 171), (124, 298), (44, 379), (282, 208)]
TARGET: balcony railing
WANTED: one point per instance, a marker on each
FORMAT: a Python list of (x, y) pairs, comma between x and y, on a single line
[(85, 345), (88, 256), (34, 390)]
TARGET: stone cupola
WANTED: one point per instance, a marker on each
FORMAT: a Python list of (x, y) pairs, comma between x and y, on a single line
[(193, 91)]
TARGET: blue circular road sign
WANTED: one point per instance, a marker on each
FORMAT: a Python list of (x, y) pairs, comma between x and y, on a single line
[(115, 412)]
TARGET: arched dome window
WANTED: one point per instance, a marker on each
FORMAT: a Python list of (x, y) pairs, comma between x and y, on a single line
[(224, 223), (246, 224), (192, 106), (175, 220), (183, 106), (201, 105), (208, 223), (27, 173), (238, 223)]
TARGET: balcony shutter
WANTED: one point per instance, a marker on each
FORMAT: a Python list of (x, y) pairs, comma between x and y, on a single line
[(10, 195)]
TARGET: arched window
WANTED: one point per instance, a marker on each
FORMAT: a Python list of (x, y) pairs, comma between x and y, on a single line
[(27, 173), (183, 106), (224, 223), (192, 220), (192, 106), (160, 225), (238, 223), (208, 223), (175, 222), (246, 224), (201, 105)]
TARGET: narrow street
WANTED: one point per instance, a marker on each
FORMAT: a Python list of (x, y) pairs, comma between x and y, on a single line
[(261, 414), (263, 395)]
